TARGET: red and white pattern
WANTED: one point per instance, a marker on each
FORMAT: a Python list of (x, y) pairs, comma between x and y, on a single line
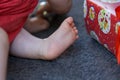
[(101, 22), (104, 20)]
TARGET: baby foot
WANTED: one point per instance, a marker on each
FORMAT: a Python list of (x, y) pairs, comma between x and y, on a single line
[(36, 24), (60, 40)]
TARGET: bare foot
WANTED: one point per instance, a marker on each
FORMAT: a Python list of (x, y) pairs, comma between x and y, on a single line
[(60, 40), (28, 46), (36, 24)]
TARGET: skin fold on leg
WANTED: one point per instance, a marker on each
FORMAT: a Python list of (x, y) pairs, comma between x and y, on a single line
[(28, 46)]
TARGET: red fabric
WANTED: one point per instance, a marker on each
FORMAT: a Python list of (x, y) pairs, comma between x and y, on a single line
[(118, 12), (118, 46), (13, 14), (118, 37)]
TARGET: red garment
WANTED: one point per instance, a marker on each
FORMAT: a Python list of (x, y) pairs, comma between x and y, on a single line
[(13, 15)]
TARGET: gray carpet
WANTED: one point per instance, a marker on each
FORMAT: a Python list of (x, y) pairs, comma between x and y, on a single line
[(84, 60)]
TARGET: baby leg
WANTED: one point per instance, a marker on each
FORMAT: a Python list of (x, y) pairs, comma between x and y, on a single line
[(27, 46), (4, 47)]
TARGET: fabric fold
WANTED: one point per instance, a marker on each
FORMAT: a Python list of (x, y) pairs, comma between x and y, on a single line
[(117, 10), (13, 15)]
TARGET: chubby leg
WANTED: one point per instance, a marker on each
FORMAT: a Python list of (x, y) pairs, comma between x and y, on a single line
[(27, 46), (4, 47)]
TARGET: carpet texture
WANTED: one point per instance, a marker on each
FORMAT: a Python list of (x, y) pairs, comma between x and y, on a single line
[(86, 59)]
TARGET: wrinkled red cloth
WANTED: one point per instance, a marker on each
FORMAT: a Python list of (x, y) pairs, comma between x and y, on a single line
[(13, 15)]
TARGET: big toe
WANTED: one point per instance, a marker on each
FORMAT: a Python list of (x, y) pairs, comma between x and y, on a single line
[(69, 20)]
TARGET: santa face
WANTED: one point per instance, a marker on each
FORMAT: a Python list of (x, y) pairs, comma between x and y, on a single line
[(104, 21)]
